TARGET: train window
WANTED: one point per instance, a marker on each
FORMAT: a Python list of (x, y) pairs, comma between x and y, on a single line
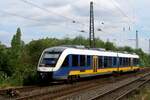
[(85, 60), (49, 59), (100, 62), (114, 61), (74, 60), (88, 61), (109, 61), (82, 60), (120, 61), (66, 62), (124, 62), (129, 61), (135, 61), (105, 61)]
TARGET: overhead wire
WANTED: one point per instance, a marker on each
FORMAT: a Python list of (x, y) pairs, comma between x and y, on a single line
[(130, 21), (42, 8), (51, 12), (120, 10), (133, 9), (114, 3), (16, 15), (35, 20), (101, 23)]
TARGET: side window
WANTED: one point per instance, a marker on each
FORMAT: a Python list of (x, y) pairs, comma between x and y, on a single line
[(124, 62), (66, 61), (82, 60), (129, 61), (135, 61), (74, 60), (120, 61), (114, 61), (105, 61), (138, 61), (88, 61), (109, 61), (100, 62)]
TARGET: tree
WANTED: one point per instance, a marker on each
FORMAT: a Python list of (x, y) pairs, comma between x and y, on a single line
[(16, 49), (126, 48), (16, 43), (110, 46), (4, 60)]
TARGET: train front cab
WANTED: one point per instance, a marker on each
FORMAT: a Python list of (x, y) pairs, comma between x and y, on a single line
[(46, 65)]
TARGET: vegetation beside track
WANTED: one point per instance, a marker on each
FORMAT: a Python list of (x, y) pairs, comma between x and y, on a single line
[(18, 62)]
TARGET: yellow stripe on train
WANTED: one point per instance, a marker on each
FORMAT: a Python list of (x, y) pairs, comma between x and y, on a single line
[(101, 71)]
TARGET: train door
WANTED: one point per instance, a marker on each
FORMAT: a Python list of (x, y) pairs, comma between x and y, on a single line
[(95, 63), (131, 63)]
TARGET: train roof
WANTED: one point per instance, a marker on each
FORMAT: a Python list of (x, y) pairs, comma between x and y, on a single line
[(87, 51), (56, 49)]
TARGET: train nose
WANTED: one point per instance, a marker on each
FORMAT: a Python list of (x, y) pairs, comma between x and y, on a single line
[(45, 76)]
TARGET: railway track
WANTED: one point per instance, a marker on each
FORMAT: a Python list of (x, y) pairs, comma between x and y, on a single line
[(114, 91), (72, 91), (118, 92), (13, 89)]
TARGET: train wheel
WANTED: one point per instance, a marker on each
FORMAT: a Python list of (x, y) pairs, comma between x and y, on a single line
[(115, 74), (136, 70), (78, 77), (121, 72), (73, 78), (70, 80)]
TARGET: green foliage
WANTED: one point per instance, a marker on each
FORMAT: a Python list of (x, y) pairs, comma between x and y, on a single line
[(99, 43), (127, 49), (4, 60), (16, 43), (144, 58), (16, 50), (110, 46)]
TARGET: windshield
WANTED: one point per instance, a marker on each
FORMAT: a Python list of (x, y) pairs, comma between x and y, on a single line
[(49, 59)]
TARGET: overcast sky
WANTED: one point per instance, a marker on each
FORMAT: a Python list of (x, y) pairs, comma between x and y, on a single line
[(54, 18)]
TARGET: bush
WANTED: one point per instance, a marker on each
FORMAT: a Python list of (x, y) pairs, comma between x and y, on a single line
[(31, 78)]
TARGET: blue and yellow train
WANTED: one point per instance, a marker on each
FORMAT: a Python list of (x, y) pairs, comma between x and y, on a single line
[(68, 62)]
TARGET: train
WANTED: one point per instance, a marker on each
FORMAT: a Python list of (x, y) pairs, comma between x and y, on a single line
[(74, 62)]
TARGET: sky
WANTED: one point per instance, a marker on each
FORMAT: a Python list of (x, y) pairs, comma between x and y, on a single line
[(67, 18)]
